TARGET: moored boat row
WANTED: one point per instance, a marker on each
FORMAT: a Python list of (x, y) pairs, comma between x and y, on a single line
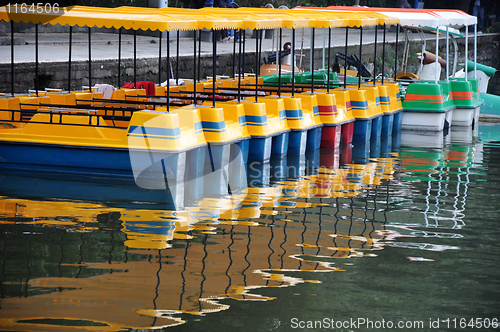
[(198, 128)]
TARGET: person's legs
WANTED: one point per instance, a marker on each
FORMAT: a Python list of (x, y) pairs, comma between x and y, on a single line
[(224, 35), (479, 13), (480, 18)]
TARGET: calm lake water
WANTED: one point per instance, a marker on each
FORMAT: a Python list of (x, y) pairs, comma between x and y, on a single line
[(400, 232)]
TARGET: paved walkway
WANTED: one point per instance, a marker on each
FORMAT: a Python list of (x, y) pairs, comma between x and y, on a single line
[(55, 46)]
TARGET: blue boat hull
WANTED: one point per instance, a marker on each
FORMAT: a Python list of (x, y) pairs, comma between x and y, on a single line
[(387, 124), (297, 142), (260, 149), (377, 126), (398, 121), (313, 138), (90, 160), (362, 130), (240, 150), (280, 145)]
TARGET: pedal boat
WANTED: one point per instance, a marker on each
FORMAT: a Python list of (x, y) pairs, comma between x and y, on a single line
[(153, 143)]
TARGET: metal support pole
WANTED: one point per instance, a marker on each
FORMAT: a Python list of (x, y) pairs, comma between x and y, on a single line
[(436, 78), (239, 66), (257, 65), (260, 49), (36, 59), (69, 57), (243, 55), (396, 55), (360, 53), (194, 69), (278, 59), (311, 51), (375, 57), (447, 53), (234, 55), (135, 60), (177, 59), (168, 71), (345, 65), (119, 56), (324, 46), (329, 55), (90, 58), (293, 62), (383, 58), (12, 57), (475, 50), (312, 60), (214, 64), (159, 57), (199, 54), (467, 48)]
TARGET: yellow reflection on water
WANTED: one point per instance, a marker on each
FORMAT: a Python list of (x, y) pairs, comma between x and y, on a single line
[(186, 261)]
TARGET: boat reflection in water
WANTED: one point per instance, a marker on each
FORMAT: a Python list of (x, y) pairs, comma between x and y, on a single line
[(441, 206), (110, 255)]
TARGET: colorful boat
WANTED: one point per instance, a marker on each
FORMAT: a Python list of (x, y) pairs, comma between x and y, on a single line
[(259, 125), (123, 136), (72, 140), (442, 21)]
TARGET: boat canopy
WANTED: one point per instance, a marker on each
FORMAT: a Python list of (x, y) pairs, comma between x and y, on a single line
[(406, 17), (289, 19), (299, 17), (351, 18), (319, 19), (457, 18), (250, 20), (207, 19), (121, 17)]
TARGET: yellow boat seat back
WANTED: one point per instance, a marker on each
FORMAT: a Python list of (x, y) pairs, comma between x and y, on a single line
[(385, 101), (85, 98), (189, 86), (257, 119), (10, 103), (359, 103), (234, 115), (214, 124), (155, 130), (118, 94), (297, 118), (58, 98), (373, 99), (47, 125), (327, 106), (394, 96), (276, 112), (190, 125), (310, 105), (7, 104), (344, 110), (32, 102), (160, 91), (174, 91)]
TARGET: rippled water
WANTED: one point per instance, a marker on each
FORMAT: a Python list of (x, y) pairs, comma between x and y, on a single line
[(409, 236)]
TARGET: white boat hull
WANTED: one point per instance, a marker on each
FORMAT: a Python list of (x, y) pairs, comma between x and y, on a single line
[(464, 117), (426, 121)]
